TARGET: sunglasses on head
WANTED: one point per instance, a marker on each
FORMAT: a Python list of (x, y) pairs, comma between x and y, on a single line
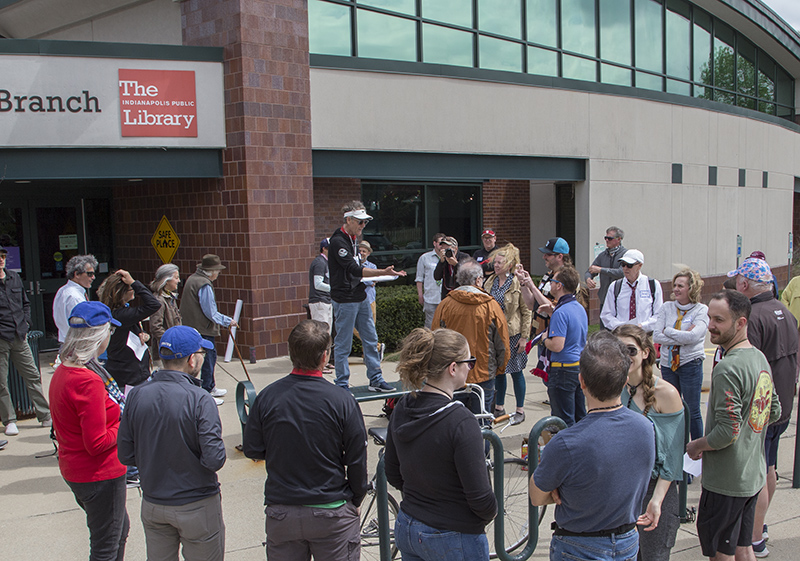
[(470, 362)]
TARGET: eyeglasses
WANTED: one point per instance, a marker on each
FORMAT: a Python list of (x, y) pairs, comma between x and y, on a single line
[(88, 273), (628, 265), (609, 238), (470, 362), (633, 350), (556, 281), (200, 352), (362, 222)]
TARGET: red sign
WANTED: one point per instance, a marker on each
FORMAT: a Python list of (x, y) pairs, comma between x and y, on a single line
[(157, 103)]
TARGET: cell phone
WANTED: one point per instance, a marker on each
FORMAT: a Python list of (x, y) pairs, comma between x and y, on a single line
[(448, 253)]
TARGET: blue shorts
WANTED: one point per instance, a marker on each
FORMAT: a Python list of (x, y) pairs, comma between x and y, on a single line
[(774, 433)]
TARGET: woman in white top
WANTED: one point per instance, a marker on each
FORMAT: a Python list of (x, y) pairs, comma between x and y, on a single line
[(681, 330)]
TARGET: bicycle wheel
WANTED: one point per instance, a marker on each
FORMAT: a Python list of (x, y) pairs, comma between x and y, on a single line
[(370, 546), (515, 506)]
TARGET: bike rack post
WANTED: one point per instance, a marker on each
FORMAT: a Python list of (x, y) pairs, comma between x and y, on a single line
[(382, 504), (245, 396)]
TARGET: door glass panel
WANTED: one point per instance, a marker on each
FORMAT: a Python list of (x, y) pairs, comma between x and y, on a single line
[(11, 239), (99, 235)]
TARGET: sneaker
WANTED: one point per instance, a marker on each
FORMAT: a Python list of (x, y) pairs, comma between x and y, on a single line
[(218, 401), (381, 387), (3, 444), (517, 417), (765, 534), (760, 549), (381, 351), (11, 429), (218, 392), (47, 422), (132, 482)]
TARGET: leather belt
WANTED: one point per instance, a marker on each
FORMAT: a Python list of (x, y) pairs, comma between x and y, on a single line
[(624, 529)]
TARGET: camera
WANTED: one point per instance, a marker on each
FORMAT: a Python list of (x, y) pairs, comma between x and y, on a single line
[(448, 253)]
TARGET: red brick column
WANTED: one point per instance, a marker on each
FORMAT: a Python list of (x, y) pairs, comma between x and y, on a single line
[(506, 210), (260, 217), (330, 195)]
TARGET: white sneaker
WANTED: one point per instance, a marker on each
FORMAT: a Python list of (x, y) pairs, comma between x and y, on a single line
[(218, 392), (218, 401), (11, 429), (382, 351)]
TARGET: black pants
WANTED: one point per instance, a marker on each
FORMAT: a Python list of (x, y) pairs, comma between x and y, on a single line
[(106, 516)]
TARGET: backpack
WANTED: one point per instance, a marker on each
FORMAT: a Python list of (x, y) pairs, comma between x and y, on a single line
[(618, 289)]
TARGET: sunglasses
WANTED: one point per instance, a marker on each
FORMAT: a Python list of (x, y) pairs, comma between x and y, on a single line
[(628, 265), (556, 281), (632, 350), (470, 362), (88, 273), (609, 238)]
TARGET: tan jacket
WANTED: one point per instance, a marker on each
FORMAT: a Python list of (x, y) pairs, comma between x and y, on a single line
[(167, 316), (517, 313), (479, 318)]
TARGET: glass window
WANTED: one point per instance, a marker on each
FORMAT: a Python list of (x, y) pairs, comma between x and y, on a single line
[(458, 12), (610, 74), (615, 32), (649, 81), (579, 68), (542, 18), (649, 35), (724, 62), (397, 231), (443, 45), (702, 47), (679, 41), (503, 17), (766, 77), (746, 67), (497, 54), (785, 88), (678, 87), (401, 6), (382, 36), (456, 209), (578, 26), (542, 62), (329, 29)]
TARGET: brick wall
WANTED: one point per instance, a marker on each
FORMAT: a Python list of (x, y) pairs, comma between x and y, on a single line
[(260, 217), (330, 194), (506, 210)]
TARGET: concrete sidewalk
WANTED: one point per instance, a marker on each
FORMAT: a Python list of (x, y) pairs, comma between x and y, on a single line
[(41, 521)]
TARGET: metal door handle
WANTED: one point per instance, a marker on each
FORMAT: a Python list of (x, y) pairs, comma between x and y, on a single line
[(30, 290), (39, 289)]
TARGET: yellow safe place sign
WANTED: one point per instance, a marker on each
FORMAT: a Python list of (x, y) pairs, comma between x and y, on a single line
[(165, 240)]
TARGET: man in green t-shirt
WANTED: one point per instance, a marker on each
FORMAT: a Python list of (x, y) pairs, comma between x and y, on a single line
[(741, 405)]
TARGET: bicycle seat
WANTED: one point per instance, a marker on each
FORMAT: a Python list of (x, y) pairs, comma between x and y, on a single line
[(378, 434)]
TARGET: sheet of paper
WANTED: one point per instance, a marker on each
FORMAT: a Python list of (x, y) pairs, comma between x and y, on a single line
[(384, 278), (236, 313), (136, 345), (692, 467)]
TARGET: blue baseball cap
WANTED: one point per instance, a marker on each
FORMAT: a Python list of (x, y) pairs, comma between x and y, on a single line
[(93, 314), (181, 341), (555, 245)]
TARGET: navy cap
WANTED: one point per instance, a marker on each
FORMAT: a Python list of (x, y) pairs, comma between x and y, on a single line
[(555, 245), (181, 341), (323, 244), (93, 314)]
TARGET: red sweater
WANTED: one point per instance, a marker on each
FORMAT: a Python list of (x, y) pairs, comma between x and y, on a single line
[(86, 421)]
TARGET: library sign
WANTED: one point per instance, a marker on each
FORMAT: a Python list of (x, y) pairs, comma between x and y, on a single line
[(49, 101)]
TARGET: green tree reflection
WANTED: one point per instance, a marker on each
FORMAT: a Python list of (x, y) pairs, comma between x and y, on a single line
[(744, 74)]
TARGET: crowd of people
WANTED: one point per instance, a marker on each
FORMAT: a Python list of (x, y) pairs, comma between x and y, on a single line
[(131, 406)]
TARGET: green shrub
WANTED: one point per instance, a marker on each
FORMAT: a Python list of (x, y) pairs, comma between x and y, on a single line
[(398, 311)]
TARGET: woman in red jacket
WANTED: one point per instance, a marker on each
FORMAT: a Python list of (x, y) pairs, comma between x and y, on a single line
[(86, 405)]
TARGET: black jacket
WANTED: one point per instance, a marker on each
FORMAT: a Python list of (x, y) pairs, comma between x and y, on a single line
[(447, 273), (435, 456), (171, 431), (15, 308), (345, 270), (311, 434), (122, 363)]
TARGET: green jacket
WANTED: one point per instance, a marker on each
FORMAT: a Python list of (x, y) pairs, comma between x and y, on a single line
[(741, 405)]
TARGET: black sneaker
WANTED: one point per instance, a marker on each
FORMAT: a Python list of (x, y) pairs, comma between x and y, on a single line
[(760, 549), (382, 387)]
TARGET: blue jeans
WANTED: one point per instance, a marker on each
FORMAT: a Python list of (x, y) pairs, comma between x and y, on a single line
[(348, 315), (500, 385), (688, 380), (207, 370), (566, 397), (619, 547), (106, 516), (420, 542)]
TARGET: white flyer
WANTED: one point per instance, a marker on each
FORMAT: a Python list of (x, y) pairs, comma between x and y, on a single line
[(236, 313), (136, 345)]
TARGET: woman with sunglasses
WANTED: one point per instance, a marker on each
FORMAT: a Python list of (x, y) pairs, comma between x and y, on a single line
[(435, 454), (681, 331), (505, 289), (86, 405), (128, 356), (660, 402)]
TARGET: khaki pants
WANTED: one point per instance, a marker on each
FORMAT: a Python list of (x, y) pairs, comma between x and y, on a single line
[(321, 311), (198, 526), (20, 354)]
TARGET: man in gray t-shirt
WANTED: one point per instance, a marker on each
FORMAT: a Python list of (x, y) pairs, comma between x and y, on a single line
[(319, 287)]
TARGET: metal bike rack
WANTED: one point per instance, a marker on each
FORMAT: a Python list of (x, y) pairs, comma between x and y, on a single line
[(382, 498), (683, 490), (245, 396)]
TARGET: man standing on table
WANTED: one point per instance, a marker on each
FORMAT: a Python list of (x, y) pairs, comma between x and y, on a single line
[(741, 404), (311, 435), (350, 306), (608, 264)]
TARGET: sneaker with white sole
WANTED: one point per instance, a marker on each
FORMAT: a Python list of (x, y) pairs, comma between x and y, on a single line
[(218, 392), (47, 422), (382, 387), (765, 534), (760, 549), (131, 482), (218, 401), (11, 429)]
